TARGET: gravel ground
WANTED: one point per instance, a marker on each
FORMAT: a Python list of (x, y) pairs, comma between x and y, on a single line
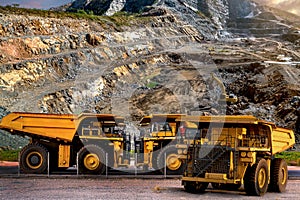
[(20, 188)]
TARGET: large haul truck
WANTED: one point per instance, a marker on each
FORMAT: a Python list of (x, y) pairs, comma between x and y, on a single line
[(62, 137), (229, 151)]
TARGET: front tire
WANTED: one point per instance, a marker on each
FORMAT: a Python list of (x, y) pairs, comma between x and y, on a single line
[(34, 159), (256, 178), (91, 160), (195, 187), (279, 175)]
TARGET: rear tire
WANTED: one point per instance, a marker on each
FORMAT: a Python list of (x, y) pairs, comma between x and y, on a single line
[(34, 159), (256, 178), (279, 175), (91, 160), (195, 187)]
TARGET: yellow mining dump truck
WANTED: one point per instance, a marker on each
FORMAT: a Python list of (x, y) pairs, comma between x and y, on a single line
[(229, 151), (64, 136), (156, 146)]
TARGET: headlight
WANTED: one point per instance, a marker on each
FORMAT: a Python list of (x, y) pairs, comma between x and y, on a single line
[(179, 151), (185, 151), (249, 154), (243, 154)]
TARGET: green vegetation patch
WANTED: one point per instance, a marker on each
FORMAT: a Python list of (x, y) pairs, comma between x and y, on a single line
[(151, 85), (9, 155), (80, 14), (118, 19), (291, 157)]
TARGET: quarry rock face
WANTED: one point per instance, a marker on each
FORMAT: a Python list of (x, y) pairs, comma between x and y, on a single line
[(240, 9), (192, 11), (159, 61), (110, 6), (60, 65)]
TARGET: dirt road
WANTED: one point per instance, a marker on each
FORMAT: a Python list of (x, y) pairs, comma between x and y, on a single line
[(14, 188)]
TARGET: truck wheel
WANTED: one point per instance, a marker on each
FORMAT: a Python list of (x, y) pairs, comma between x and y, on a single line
[(195, 187), (91, 159), (34, 159), (279, 175), (256, 178), (173, 164)]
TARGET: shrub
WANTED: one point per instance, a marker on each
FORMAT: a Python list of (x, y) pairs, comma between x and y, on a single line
[(9, 155), (290, 156)]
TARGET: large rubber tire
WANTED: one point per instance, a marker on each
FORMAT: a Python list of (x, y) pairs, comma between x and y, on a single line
[(195, 187), (256, 178), (91, 160), (279, 175), (174, 166), (34, 159)]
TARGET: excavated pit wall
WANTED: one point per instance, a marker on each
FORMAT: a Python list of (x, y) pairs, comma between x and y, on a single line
[(67, 66), (74, 66)]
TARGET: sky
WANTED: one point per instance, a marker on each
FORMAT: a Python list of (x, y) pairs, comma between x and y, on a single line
[(292, 6), (289, 5), (39, 4)]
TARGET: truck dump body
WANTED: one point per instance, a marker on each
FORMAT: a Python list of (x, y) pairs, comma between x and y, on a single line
[(51, 126), (281, 138)]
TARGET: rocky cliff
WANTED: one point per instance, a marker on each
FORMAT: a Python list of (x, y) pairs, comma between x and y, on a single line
[(206, 15), (70, 65), (157, 61), (210, 17)]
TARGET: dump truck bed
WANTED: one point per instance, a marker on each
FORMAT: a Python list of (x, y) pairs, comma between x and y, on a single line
[(281, 138), (61, 127), (53, 126)]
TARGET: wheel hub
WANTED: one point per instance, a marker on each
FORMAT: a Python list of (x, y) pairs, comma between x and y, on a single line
[(262, 177), (91, 161), (283, 175), (34, 160), (173, 162)]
